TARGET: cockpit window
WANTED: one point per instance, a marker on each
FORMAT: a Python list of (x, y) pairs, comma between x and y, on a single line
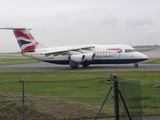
[(130, 50), (134, 50)]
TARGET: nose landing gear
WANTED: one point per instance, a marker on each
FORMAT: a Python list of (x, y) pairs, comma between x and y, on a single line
[(136, 65)]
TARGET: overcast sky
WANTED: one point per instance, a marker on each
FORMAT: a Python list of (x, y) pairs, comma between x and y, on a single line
[(69, 22)]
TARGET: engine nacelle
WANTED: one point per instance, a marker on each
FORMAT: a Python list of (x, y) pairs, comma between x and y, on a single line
[(89, 56), (77, 58)]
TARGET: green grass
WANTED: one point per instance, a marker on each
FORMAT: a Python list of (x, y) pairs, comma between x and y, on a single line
[(12, 61), (82, 87), (143, 76), (153, 62)]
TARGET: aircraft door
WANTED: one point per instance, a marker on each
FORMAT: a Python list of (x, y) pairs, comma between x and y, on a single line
[(118, 53)]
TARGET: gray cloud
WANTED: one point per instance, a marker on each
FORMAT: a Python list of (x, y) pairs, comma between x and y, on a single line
[(109, 20), (66, 22), (135, 22)]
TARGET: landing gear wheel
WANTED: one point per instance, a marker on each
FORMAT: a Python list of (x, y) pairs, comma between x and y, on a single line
[(85, 65), (136, 65)]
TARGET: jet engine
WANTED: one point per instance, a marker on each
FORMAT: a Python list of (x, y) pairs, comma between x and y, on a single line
[(89, 56), (77, 58)]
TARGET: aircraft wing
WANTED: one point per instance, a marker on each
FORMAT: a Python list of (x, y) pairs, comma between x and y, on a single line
[(66, 51)]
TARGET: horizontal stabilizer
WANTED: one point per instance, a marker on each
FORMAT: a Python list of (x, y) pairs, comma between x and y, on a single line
[(15, 28)]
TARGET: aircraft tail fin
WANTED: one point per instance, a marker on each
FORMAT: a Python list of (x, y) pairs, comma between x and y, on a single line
[(25, 39)]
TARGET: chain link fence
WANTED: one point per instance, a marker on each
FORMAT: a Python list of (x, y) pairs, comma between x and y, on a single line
[(79, 99)]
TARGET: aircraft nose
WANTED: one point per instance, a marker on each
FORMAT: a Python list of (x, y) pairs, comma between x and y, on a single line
[(140, 56), (143, 56)]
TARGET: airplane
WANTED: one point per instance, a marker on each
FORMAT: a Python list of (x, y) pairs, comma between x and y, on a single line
[(76, 55)]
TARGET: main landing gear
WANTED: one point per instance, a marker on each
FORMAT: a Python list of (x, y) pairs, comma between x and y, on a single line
[(136, 65)]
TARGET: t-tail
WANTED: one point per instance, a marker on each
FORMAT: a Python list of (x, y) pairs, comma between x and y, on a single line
[(25, 39)]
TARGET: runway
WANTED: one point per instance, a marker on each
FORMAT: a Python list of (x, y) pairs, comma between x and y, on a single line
[(42, 66), (52, 67)]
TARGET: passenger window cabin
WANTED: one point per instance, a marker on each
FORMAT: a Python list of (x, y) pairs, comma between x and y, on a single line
[(100, 52)]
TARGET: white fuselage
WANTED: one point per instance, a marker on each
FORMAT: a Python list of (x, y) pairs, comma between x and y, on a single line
[(104, 54)]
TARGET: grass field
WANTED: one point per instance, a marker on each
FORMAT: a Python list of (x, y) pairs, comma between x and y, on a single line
[(82, 87), (75, 86), (18, 60), (153, 62), (143, 76)]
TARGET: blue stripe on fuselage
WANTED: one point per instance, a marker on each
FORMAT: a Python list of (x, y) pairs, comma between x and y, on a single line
[(113, 61)]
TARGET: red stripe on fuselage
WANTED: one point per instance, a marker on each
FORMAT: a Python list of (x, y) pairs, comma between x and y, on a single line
[(114, 49), (20, 34)]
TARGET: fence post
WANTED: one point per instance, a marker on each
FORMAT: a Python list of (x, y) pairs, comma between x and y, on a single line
[(159, 94), (103, 103), (23, 107), (116, 100)]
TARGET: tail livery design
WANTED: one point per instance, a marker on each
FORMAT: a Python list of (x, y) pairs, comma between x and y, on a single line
[(25, 40)]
